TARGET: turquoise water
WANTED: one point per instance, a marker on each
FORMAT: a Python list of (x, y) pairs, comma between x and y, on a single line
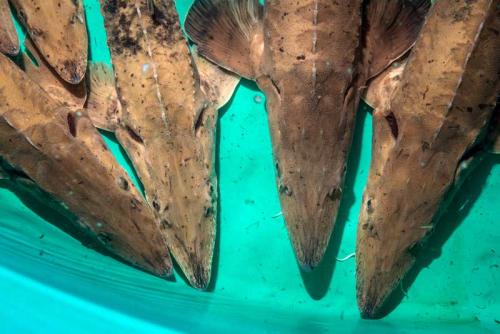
[(50, 283)]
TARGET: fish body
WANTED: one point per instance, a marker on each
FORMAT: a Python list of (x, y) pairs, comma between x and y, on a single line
[(312, 59), (62, 152), (167, 126), (308, 75), (422, 135)]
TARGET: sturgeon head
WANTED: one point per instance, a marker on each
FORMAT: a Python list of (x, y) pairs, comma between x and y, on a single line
[(63, 153), (58, 30), (167, 127), (9, 42), (310, 58), (424, 128)]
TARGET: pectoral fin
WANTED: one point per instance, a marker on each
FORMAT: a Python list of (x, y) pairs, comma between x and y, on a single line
[(229, 33), (217, 84), (103, 105), (391, 29), (381, 89)]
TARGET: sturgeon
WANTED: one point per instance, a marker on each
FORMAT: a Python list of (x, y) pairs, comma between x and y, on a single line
[(167, 125), (63, 153), (311, 58), (427, 123)]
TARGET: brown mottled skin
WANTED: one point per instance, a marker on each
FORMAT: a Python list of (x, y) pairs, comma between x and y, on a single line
[(58, 30), (64, 154), (70, 95), (167, 127), (309, 77), (446, 96), (311, 58), (9, 42)]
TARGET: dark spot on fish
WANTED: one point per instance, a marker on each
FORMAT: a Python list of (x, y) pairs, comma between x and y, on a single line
[(286, 190), (134, 203), (110, 6), (393, 124), (123, 183), (276, 87), (199, 121), (167, 27), (335, 193), (71, 67), (278, 170), (369, 207), (165, 224), (209, 212), (134, 135), (156, 206), (370, 229), (122, 38), (462, 14), (71, 124)]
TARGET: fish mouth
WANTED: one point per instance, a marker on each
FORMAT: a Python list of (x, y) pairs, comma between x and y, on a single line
[(193, 268), (309, 257), (310, 231), (372, 294), (192, 243), (162, 269), (381, 264), (200, 278)]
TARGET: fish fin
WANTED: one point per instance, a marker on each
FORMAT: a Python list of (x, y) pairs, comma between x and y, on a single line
[(229, 33), (381, 89), (217, 84), (103, 106), (391, 29)]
